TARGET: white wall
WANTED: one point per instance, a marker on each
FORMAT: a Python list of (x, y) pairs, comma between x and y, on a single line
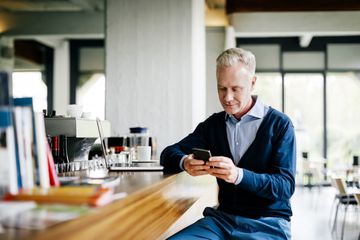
[(152, 77)]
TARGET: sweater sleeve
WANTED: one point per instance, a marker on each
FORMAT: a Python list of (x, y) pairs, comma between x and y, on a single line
[(279, 183), (171, 156)]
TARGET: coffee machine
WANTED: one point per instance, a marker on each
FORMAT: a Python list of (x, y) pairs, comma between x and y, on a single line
[(81, 134)]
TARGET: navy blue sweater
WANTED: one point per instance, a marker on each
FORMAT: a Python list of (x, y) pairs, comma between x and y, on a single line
[(269, 165)]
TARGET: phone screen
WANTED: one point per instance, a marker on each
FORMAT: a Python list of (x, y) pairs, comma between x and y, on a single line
[(201, 154)]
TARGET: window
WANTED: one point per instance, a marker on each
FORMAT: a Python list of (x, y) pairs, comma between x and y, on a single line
[(304, 105), (268, 88), (343, 116), (33, 73), (87, 76), (30, 84), (90, 93), (334, 137)]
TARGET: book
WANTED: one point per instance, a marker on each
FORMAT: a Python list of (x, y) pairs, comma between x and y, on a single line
[(23, 109), (8, 168), (53, 177), (5, 92), (24, 142), (18, 153), (40, 139), (90, 195), (44, 216)]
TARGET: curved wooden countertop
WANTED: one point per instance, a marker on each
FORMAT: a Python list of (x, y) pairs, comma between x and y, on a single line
[(157, 205)]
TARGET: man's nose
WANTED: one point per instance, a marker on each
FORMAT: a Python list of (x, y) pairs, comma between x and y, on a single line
[(228, 96)]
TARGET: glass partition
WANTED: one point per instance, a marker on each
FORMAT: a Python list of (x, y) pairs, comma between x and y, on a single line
[(343, 118)]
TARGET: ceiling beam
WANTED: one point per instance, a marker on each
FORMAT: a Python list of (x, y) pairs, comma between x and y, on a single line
[(70, 24), (296, 23), (38, 5), (29, 50), (234, 6), (305, 40)]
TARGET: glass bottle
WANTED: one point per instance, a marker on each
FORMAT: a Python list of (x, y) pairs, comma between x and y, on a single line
[(55, 149), (64, 153)]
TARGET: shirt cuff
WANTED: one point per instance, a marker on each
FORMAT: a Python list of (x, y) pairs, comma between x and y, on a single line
[(240, 176), (182, 162)]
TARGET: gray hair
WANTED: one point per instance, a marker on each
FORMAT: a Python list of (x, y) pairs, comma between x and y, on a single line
[(232, 56)]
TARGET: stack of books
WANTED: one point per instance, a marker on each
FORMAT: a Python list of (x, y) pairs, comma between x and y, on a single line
[(78, 195), (26, 159)]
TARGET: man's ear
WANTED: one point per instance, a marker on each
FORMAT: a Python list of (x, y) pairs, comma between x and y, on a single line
[(253, 82)]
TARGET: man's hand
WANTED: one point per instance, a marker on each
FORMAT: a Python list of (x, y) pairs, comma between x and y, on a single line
[(195, 167), (224, 168)]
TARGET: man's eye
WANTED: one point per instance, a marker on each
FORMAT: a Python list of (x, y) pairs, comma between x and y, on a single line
[(237, 89)]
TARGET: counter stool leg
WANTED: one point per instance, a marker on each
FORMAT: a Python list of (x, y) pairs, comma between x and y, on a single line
[(335, 218), (331, 212), (343, 224)]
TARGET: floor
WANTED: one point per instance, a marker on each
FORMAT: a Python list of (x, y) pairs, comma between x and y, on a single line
[(311, 212)]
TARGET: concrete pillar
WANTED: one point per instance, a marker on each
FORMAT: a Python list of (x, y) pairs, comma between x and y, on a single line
[(61, 84), (215, 42), (61, 76), (155, 66)]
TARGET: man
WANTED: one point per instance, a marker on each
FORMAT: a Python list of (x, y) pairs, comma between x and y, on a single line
[(253, 149)]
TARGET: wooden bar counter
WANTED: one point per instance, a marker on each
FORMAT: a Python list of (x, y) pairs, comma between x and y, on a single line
[(156, 206)]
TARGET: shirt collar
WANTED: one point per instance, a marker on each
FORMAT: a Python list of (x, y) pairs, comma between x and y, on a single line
[(257, 111)]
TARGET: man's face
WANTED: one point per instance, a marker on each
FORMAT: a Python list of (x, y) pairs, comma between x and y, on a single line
[(235, 85)]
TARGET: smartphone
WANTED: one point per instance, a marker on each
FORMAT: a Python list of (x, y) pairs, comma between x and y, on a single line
[(201, 154)]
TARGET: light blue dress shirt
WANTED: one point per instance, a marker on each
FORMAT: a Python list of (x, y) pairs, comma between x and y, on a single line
[(241, 133)]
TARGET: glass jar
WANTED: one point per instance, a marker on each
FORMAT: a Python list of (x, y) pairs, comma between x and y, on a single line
[(139, 136)]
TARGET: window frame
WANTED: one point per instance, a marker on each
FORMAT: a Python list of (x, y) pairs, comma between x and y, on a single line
[(75, 47)]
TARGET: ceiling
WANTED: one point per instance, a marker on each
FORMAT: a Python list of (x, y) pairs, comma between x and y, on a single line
[(231, 6), (214, 9), (72, 5), (216, 13)]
